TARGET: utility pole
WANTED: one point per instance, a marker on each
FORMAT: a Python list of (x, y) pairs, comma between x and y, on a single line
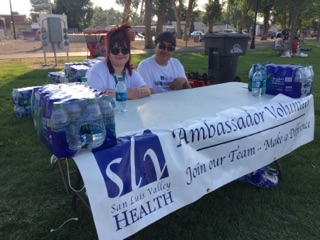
[(12, 20)]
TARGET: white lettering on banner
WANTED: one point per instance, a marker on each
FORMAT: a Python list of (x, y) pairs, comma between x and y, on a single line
[(128, 217), (133, 166), (135, 184), (112, 175)]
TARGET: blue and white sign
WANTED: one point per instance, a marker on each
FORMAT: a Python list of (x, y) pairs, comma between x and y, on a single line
[(148, 175)]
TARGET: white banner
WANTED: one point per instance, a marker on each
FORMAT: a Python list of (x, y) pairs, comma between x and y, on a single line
[(153, 173)]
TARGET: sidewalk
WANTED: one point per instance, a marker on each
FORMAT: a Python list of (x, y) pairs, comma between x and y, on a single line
[(21, 49), (85, 54)]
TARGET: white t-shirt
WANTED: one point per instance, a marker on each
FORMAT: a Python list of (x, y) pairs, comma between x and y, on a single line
[(278, 42), (159, 77), (100, 78)]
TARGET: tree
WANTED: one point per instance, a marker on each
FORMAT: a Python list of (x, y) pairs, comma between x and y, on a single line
[(188, 20), (162, 6), (311, 16), (39, 6), (127, 5), (267, 6), (143, 2), (244, 9), (79, 12), (213, 13), (126, 11), (147, 23), (102, 18), (178, 14)]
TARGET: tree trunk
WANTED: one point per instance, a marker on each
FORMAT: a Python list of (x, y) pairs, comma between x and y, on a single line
[(188, 20), (266, 10), (142, 10), (266, 26), (244, 17), (126, 11), (177, 15), (148, 44), (161, 18), (294, 18)]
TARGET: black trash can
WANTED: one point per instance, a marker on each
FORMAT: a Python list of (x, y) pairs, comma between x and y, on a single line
[(223, 50)]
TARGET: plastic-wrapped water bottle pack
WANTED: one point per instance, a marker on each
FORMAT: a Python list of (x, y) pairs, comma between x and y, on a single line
[(57, 77), (71, 117), (289, 79), (21, 98)]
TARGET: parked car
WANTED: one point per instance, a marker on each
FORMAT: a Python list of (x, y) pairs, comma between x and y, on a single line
[(272, 34), (197, 33), (314, 33)]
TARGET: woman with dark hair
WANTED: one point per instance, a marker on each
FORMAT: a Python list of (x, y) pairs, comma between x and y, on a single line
[(103, 76)]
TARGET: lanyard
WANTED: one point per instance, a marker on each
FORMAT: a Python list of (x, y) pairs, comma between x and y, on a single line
[(116, 79)]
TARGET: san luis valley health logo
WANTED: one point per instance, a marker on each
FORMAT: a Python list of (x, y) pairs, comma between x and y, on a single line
[(133, 163)]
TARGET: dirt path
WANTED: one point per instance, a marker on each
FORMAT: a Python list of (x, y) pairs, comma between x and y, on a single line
[(24, 46)]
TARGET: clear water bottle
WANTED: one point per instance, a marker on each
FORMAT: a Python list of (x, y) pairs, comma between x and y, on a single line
[(36, 109), (59, 120), (75, 138), (84, 81), (250, 74), (263, 70), (257, 83), (107, 111), (303, 75), (121, 95), (93, 126), (298, 75)]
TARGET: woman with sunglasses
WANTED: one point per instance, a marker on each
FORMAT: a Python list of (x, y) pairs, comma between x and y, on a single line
[(161, 72), (104, 75)]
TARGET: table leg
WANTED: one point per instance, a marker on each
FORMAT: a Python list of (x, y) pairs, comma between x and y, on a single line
[(76, 194)]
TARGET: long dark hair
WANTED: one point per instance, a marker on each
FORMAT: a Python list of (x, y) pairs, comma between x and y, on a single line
[(119, 35)]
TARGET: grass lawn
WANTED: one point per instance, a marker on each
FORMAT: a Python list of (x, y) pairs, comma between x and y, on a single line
[(33, 200)]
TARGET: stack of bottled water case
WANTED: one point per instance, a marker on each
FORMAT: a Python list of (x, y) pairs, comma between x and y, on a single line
[(57, 77), (21, 98), (70, 117), (289, 79), (74, 71)]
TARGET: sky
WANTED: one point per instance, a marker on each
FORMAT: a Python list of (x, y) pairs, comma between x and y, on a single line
[(24, 6)]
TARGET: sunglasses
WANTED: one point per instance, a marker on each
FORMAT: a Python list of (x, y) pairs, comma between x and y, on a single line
[(116, 51), (164, 47)]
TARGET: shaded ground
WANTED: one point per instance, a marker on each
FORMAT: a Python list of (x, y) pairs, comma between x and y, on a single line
[(24, 46)]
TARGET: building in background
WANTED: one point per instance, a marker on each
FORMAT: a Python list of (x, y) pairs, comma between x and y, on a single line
[(23, 29)]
